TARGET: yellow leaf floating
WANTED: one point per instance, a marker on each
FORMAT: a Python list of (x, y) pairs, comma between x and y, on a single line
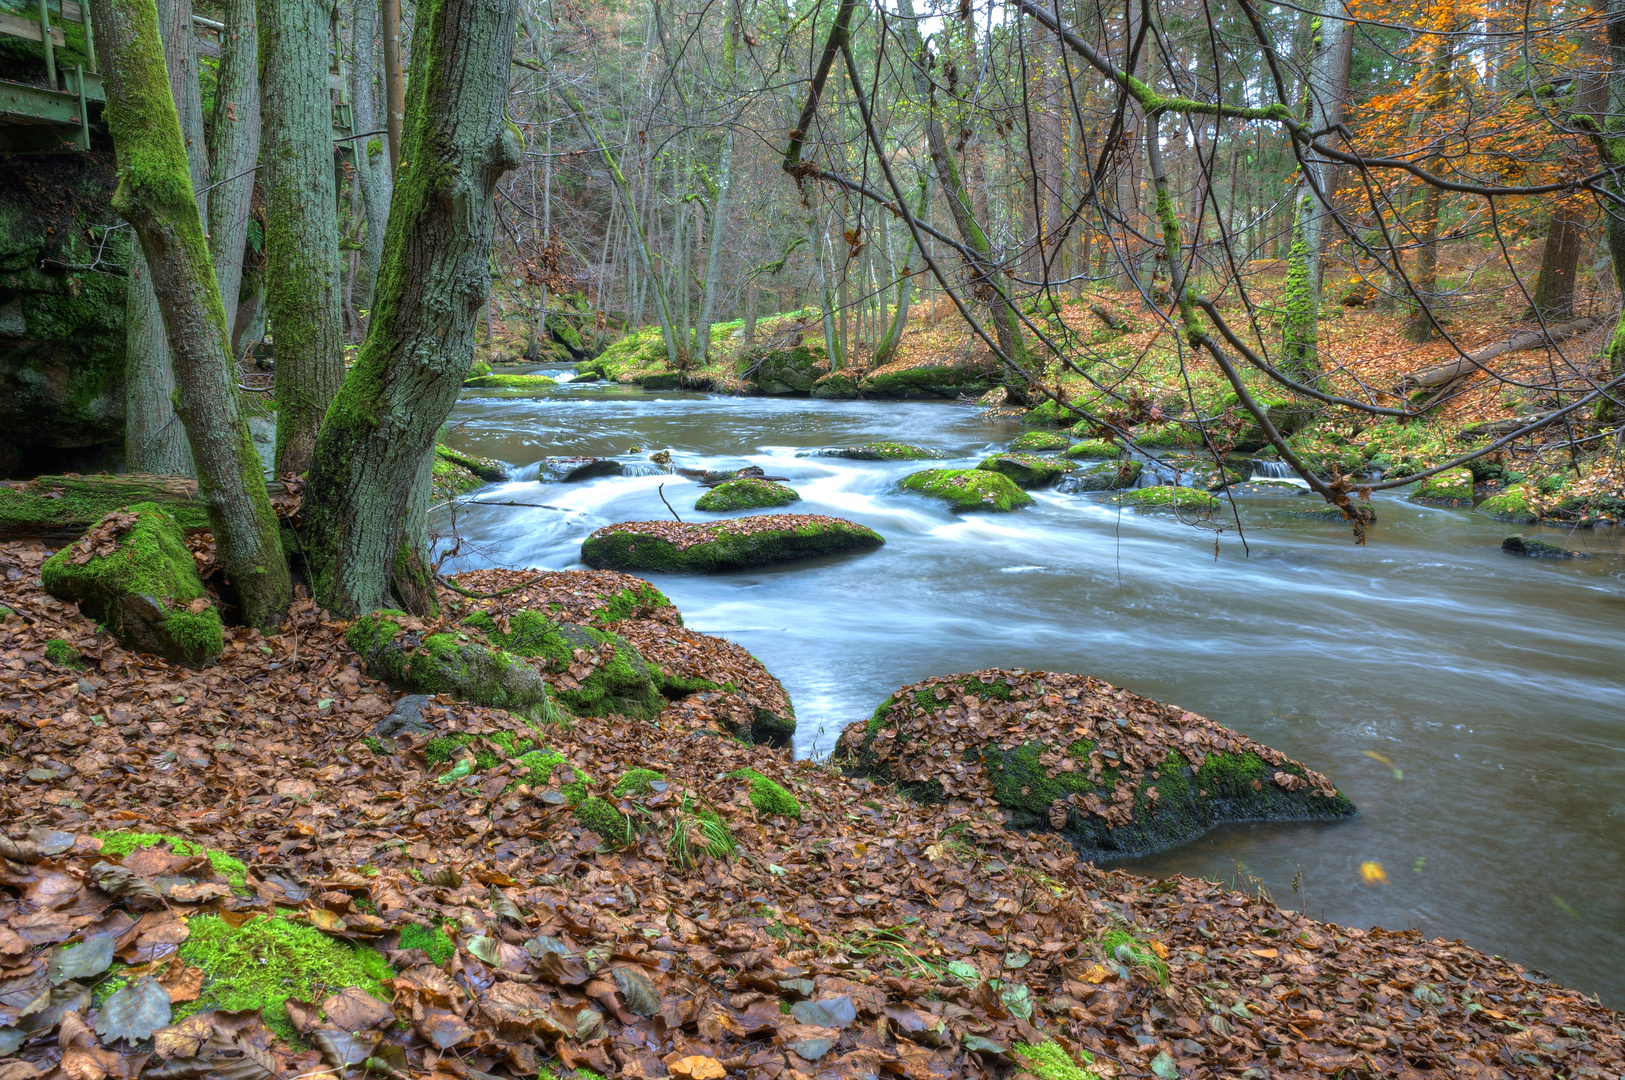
[(1372, 873)]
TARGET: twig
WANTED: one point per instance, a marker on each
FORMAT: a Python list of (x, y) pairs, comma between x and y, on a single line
[(661, 491)]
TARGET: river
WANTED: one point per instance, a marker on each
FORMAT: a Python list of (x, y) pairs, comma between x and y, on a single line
[(1470, 702)]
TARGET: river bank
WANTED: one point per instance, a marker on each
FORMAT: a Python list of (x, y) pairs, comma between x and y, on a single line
[(850, 932)]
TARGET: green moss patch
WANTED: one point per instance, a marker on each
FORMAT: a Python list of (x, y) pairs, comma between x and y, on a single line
[(767, 796), (120, 844), (1040, 440), (432, 940), (746, 493), (968, 489), (485, 468), (1169, 437), (262, 963), (1049, 1061), (451, 663), (1095, 450), (1515, 504), (1163, 497), (737, 544), (1027, 470), (63, 654), (1048, 414), (510, 382), (887, 451), (594, 672), (1453, 487)]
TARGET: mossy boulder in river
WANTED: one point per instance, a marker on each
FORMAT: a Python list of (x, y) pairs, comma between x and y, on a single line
[(1116, 773), (968, 489), (592, 671), (746, 493), (1028, 470), (488, 469), (1515, 504), (510, 382), (133, 573), (1169, 437), (394, 649), (1164, 497), (737, 544), (1048, 414), (1095, 450), (1539, 549), (1453, 487), (886, 451), (1102, 476), (570, 470), (1040, 440)]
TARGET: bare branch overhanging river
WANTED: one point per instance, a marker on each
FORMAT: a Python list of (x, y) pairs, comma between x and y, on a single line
[(1471, 703)]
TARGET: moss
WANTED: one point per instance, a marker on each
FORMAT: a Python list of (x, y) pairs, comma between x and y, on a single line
[(439, 751), (448, 663), (1027, 470), (927, 380), (1048, 1061), (1331, 513), (1453, 487), (227, 866), (746, 493), (1124, 948), (622, 684), (1169, 437), (262, 963), (968, 489), (1040, 440), (451, 479), (151, 560), (63, 654), (1106, 476), (837, 386), (1163, 497), (510, 382), (432, 940), (484, 468), (637, 782), (1095, 449), (736, 544), (602, 817), (74, 508), (768, 797), (1048, 414), (635, 601), (887, 451)]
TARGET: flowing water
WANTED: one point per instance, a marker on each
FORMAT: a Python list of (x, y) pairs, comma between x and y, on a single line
[(1470, 702)]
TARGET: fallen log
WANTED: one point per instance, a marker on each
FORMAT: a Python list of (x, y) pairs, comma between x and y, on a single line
[(60, 509), (1466, 365), (1100, 312)]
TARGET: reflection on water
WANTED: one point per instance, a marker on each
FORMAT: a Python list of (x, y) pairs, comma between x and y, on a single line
[(1470, 702)]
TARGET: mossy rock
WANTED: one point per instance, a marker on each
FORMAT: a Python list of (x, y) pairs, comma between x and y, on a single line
[(927, 381), (572, 470), (837, 386), (1096, 450), (1514, 505), (451, 479), (1164, 497), (451, 663), (966, 490), (1169, 437), (510, 382), (768, 796), (886, 451), (146, 591), (746, 493), (1531, 548), (1027, 470), (1040, 440), (782, 371), (434, 942), (1048, 414), (734, 687), (736, 544), (611, 678), (477, 369), (1453, 487), (265, 961), (1328, 512), (488, 469), (1103, 476), (1288, 416), (1115, 773)]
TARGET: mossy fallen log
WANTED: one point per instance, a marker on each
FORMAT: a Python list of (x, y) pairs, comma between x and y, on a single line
[(60, 509)]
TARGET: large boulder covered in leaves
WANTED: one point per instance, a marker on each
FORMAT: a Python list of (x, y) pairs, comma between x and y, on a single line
[(737, 544), (133, 573), (592, 671), (717, 680), (1116, 773), (395, 648)]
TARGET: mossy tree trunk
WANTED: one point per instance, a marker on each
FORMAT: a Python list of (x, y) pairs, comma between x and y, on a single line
[(1423, 323), (372, 170), (155, 195), (301, 222), (1560, 262), (234, 147), (363, 553)]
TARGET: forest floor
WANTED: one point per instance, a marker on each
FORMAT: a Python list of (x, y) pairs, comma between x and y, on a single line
[(337, 903)]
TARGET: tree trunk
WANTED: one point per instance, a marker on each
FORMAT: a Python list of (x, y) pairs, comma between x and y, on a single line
[(1440, 374), (234, 147), (362, 549), (394, 82), (1423, 323), (887, 349), (372, 172), (154, 194), (301, 223), (1560, 262)]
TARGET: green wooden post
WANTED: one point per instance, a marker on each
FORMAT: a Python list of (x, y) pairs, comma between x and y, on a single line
[(90, 36), (45, 39)]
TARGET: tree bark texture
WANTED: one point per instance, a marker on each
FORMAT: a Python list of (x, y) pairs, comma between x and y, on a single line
[(234, 147), (302, 283), (434, 279), (394, 81), (372, 171), (1560, 262), (155, 195)]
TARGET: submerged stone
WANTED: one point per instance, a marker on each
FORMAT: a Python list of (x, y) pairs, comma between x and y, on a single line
[(746, 493), (966, 490), (1115, 773), (1539, 549), (1101, 476), (569, 470), (1028, 470), (737, 544), (133, 573)]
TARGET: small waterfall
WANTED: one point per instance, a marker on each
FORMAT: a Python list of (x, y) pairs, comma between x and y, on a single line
[(1272, 470), (645, 468), (1156, 474)]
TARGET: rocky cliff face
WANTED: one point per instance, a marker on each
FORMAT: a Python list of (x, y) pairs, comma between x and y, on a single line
[(62, 267)]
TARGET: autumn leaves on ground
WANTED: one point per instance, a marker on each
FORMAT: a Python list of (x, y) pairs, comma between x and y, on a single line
[(227, 871)]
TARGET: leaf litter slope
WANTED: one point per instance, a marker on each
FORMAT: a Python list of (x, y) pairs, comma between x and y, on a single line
[(871, 937)]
